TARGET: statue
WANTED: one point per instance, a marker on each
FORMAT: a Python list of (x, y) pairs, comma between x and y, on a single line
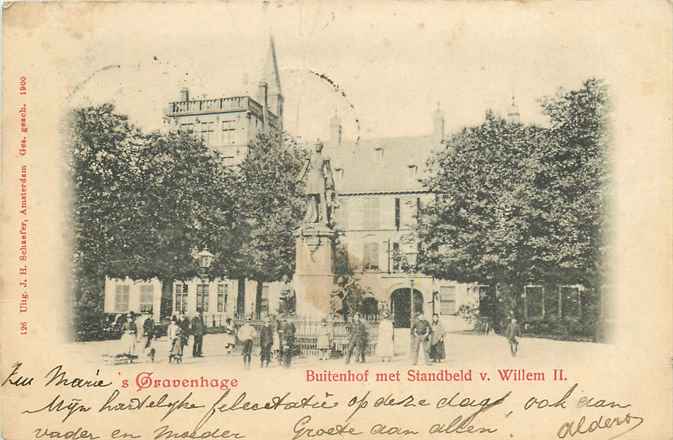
[(319, 189)]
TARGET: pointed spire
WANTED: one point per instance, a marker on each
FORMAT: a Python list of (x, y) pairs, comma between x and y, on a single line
[(271, 77), (513, 113), (270, 74), (438, 124)]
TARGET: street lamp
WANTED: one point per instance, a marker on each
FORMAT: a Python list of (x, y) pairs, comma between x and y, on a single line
[(205, 259)]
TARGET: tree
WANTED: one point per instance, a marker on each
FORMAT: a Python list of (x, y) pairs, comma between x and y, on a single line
[(142, 204), (270, 203), (516, 203)]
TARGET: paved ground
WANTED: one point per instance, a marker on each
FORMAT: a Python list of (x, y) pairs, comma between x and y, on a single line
[(462, 350)]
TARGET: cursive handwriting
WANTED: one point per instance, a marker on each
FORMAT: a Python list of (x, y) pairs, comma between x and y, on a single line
[(572, 428), (241, 403), (166, 432), (300, 429), (77, 434), (57, 377), (14, 378), (464, 425), (58, 405), (135, 404)]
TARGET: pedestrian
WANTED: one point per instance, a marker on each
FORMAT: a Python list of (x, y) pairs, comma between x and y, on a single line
[(265, 342), (198, 328), (420, 332), (148, 334), (324, 340), (247, 334), (184, 326), (437, 351), (276, 340), (229, 336), (511, 333), (129, 333), (384, 341), (174, 333), (287, 333), (357, 339)]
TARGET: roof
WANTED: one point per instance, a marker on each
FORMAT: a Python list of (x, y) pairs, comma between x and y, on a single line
[(383, 165)]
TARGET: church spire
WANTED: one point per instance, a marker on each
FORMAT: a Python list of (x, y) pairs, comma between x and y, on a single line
[(513, 112), (271, 77)]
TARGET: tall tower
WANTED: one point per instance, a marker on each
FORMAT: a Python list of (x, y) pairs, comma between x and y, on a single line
[(513, 112), (271, 77), (437, 125), (335, 129)]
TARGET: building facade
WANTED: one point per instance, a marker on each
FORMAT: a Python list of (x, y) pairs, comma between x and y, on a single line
[(379, 183)]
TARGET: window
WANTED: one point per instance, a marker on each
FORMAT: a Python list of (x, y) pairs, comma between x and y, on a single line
[(222, 296), (447, 300), (371, 211), (187, 127), (207, 131), (146, 298), (370, 259), (413, 171), (379, 154), (533, 302), (396, 257), (408, 211), (229, 131), (339, 173), (570, 301), (122, 297), (181, 291), (397, 213), (202, 297)]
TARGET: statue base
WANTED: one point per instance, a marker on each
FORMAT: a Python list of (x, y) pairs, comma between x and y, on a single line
[(314, 274)]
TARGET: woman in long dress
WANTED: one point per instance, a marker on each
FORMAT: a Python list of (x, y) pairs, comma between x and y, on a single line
[(324, 340), (129, 334), (437, 352), (384, 341)]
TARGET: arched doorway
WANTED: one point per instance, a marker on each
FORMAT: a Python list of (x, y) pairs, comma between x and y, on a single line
[(400, 301)]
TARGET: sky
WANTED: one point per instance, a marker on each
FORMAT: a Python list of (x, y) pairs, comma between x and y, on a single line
[(393, 64)]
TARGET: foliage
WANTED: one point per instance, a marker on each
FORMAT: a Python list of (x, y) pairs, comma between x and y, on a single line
[(141, 204), (270, 207), (517, 203)]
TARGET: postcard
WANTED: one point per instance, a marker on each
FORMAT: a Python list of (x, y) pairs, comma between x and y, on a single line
[(309, 220)]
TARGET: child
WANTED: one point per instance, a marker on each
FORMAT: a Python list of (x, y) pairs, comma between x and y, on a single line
[(511, 334), (324, 340), (229, 336)]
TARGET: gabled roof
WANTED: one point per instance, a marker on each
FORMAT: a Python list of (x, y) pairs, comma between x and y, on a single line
[(383, 165)]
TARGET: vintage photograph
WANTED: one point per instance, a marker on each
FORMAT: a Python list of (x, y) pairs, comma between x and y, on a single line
[(306, 219), (287, 221)]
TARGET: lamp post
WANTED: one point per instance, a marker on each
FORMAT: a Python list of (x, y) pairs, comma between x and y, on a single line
[(204, 259)]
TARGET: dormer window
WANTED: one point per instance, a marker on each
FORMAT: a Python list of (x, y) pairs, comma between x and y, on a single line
[(379, 154), (413, 171)]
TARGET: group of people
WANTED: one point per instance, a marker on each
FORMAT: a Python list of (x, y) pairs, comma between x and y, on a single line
[(276, 340), (179, 330)]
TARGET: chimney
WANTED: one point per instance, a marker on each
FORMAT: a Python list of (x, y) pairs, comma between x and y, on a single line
[(335, 130), (263, 95), (184, 94), (437, 125)]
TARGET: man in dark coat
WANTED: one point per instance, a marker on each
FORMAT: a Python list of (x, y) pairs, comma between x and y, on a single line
[(266, 342), (357, 339), (184, 327), (420, 334), (198, 329), (148, 330), (286, 334)]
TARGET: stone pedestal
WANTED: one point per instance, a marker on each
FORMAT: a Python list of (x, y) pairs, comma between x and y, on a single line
[(314, 273)]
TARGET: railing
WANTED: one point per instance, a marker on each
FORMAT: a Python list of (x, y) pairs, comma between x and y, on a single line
[(233, 103), (306, 336)]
